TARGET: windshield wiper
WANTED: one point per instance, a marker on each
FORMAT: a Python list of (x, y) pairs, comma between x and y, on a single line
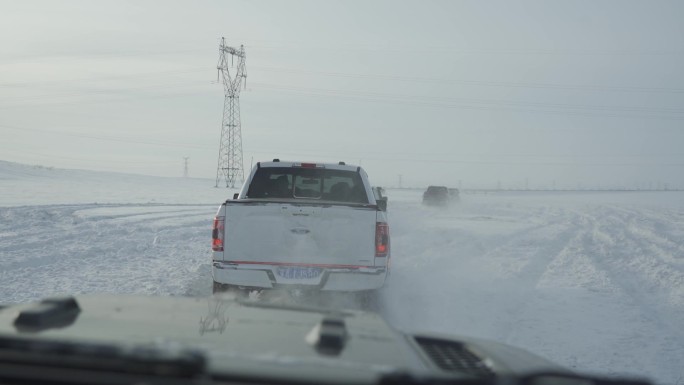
[(541, 378), (44, 360)]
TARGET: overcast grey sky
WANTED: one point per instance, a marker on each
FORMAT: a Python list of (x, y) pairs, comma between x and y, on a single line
[(571, 93)]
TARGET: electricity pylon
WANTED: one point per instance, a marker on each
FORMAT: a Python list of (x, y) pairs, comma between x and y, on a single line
[(230, 148)]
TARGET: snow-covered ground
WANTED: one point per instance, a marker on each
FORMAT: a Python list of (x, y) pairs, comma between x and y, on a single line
[(593, 281)]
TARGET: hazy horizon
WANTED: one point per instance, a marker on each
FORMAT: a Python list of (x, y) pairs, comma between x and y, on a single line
[(534, 94)]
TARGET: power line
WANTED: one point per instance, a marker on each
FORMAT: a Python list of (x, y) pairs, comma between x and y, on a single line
[(437, 99), (143, 75), (487, 83), (99, 161), (107, 138), (108, 100), (487, 105), (451, 49), (405, 159), (432, 80), (421, 101)]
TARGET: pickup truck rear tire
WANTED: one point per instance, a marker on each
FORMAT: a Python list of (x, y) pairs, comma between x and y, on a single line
[(219, 288), (240, 292), (222, 288)]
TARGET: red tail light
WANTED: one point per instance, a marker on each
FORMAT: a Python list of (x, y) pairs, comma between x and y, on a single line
[(381, 239), (217, 234), (308, 165)]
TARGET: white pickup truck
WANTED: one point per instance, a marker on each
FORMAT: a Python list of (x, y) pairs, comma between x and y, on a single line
[(302, 226)]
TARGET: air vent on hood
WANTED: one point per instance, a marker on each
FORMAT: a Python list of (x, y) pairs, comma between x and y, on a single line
[(329, 336), (49, 313), (454, 356)]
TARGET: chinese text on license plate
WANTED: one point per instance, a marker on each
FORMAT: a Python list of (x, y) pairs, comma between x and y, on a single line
[(293, 272)]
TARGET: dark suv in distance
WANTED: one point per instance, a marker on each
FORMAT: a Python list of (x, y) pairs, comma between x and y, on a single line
[(436, 196)]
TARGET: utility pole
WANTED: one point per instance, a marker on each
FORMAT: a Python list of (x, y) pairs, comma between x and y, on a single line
[(185, 169), (229, 165)]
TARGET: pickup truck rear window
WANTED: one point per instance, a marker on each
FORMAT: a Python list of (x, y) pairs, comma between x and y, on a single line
[(307, 183)]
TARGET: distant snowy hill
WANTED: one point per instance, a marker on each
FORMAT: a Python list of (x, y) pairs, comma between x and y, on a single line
[(22, 184)]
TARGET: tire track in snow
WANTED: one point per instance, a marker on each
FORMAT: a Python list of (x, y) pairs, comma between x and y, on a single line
[(658, 233), (554, 239), (51, 223), (468, 268), (653, 285), (653, 270), (604, 303), (560, 310), (154, 252)]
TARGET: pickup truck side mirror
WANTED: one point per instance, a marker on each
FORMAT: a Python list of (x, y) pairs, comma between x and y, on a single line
[(382, 203), (235, 196)]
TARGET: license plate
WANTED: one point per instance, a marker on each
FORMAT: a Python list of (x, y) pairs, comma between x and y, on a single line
[(299, 272)]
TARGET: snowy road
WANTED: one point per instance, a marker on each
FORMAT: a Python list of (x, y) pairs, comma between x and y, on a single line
[(147, 249), (593, 281)]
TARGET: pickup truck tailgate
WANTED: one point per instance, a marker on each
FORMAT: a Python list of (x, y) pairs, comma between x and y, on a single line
[(302, 234)]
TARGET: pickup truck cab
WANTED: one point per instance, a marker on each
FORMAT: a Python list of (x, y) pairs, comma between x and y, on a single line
[(302, 226)]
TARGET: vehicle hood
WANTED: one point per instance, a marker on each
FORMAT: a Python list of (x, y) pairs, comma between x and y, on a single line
[(246, 338)]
